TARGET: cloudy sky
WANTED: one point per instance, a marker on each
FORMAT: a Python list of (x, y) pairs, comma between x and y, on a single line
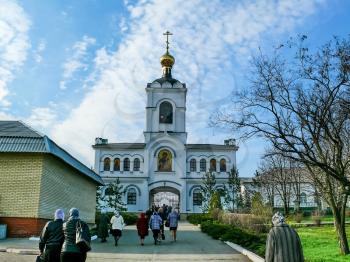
[(76, 70)]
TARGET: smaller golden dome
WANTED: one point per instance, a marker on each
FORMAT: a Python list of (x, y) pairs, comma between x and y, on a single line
[(167, 60)]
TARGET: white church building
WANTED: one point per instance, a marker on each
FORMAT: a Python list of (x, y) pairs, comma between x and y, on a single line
[(165, 168)]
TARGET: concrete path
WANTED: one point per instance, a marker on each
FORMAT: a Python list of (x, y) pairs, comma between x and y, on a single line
[(192, 245)]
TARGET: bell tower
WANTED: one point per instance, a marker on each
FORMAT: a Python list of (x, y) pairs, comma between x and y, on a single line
[(166, 102)]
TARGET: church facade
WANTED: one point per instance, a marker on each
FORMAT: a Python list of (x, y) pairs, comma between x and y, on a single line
[(164, 169)]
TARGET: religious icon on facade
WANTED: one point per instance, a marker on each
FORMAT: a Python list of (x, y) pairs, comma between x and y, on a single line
[(164, 160)]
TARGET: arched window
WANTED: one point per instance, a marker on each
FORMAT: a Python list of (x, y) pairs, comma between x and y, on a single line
[(116, 166), (136, 164), (203, 165), (222, 165), (303, 198), (131, 197), (212, 165), (164, 160), (197, 197), (107, 164), (193, 165), (126, 164), (165, 113)]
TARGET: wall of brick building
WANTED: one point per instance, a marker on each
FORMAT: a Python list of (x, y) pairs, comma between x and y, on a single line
[(23, 227), (64, 187), (20, 176)]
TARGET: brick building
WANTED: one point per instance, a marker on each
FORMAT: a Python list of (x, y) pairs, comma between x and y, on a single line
[(37, 177)]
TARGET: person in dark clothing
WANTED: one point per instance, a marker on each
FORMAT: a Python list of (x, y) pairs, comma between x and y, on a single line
[(51, 238), (283, 242), (142, 227), (103, 227), (70, 251)]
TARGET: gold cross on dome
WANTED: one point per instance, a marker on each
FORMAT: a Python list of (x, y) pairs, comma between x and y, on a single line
[(167, 33)]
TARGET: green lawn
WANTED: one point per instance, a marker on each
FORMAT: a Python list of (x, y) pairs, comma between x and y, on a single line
[(308, 219), (320, 244)]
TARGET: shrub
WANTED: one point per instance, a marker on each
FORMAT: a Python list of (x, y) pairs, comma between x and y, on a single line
[(316, 217), (250, 222), (198, 218), (251, 241), (298, 217), (129, 218)]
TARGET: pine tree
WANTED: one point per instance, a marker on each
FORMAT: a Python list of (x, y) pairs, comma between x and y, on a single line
[(207, 189), (233, 190), (114, 198)]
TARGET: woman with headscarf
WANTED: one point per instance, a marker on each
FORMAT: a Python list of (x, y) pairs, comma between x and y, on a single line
[(103, 227), (51, 238), (70, 251), (118, 225), (283, 242), (142, 227)]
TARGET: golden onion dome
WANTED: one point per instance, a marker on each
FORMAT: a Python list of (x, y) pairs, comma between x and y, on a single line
[(167, 60)]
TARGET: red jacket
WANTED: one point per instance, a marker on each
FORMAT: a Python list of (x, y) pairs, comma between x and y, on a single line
[(142, 227)]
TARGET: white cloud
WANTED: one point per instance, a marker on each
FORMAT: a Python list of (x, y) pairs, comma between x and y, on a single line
[(207, 35), (40, 48), (14, 44), (42, 117), (77, 60)]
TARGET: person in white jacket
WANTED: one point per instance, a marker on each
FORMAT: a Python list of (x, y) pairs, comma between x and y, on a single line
[(118, 225)]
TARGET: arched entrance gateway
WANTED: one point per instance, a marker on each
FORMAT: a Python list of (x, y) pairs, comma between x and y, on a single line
[(165, 195)]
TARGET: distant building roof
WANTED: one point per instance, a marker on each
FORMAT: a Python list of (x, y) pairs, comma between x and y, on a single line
[(211, 147), (17, 137)]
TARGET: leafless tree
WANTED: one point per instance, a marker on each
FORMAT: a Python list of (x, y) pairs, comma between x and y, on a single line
[(299, 101)]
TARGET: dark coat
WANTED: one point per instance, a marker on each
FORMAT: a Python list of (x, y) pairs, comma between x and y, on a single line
[(142, 227), (69, 230), (51, 240), (103, 226), (283, 245)]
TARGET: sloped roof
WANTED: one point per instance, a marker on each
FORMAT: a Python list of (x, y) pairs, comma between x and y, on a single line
[(211, 147), (17, 137)]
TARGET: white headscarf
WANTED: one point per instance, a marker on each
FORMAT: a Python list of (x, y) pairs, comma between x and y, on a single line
[(277, 219), (116, 213)]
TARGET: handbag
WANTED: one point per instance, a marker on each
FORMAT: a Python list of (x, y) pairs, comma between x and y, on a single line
[(82, 239), (167, 223)]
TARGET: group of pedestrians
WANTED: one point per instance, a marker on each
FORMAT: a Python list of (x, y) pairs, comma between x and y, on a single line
[(58, 238), (155, 219)]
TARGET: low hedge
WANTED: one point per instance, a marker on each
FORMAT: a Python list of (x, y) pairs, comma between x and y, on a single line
[(251, 241), (129, 218), (199, 218)]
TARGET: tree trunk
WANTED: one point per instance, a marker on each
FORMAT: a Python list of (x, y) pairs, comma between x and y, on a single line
[(339, 223)]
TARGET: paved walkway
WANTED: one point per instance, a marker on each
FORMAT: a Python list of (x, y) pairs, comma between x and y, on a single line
[(192, 245)]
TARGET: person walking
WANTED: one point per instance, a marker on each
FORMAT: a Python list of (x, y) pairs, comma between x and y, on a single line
[(283, 243), (118, 225), (155, 223), (161, 213), (173, 220), (142, 227), (70, 251), (103, 227), (51, 238)]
